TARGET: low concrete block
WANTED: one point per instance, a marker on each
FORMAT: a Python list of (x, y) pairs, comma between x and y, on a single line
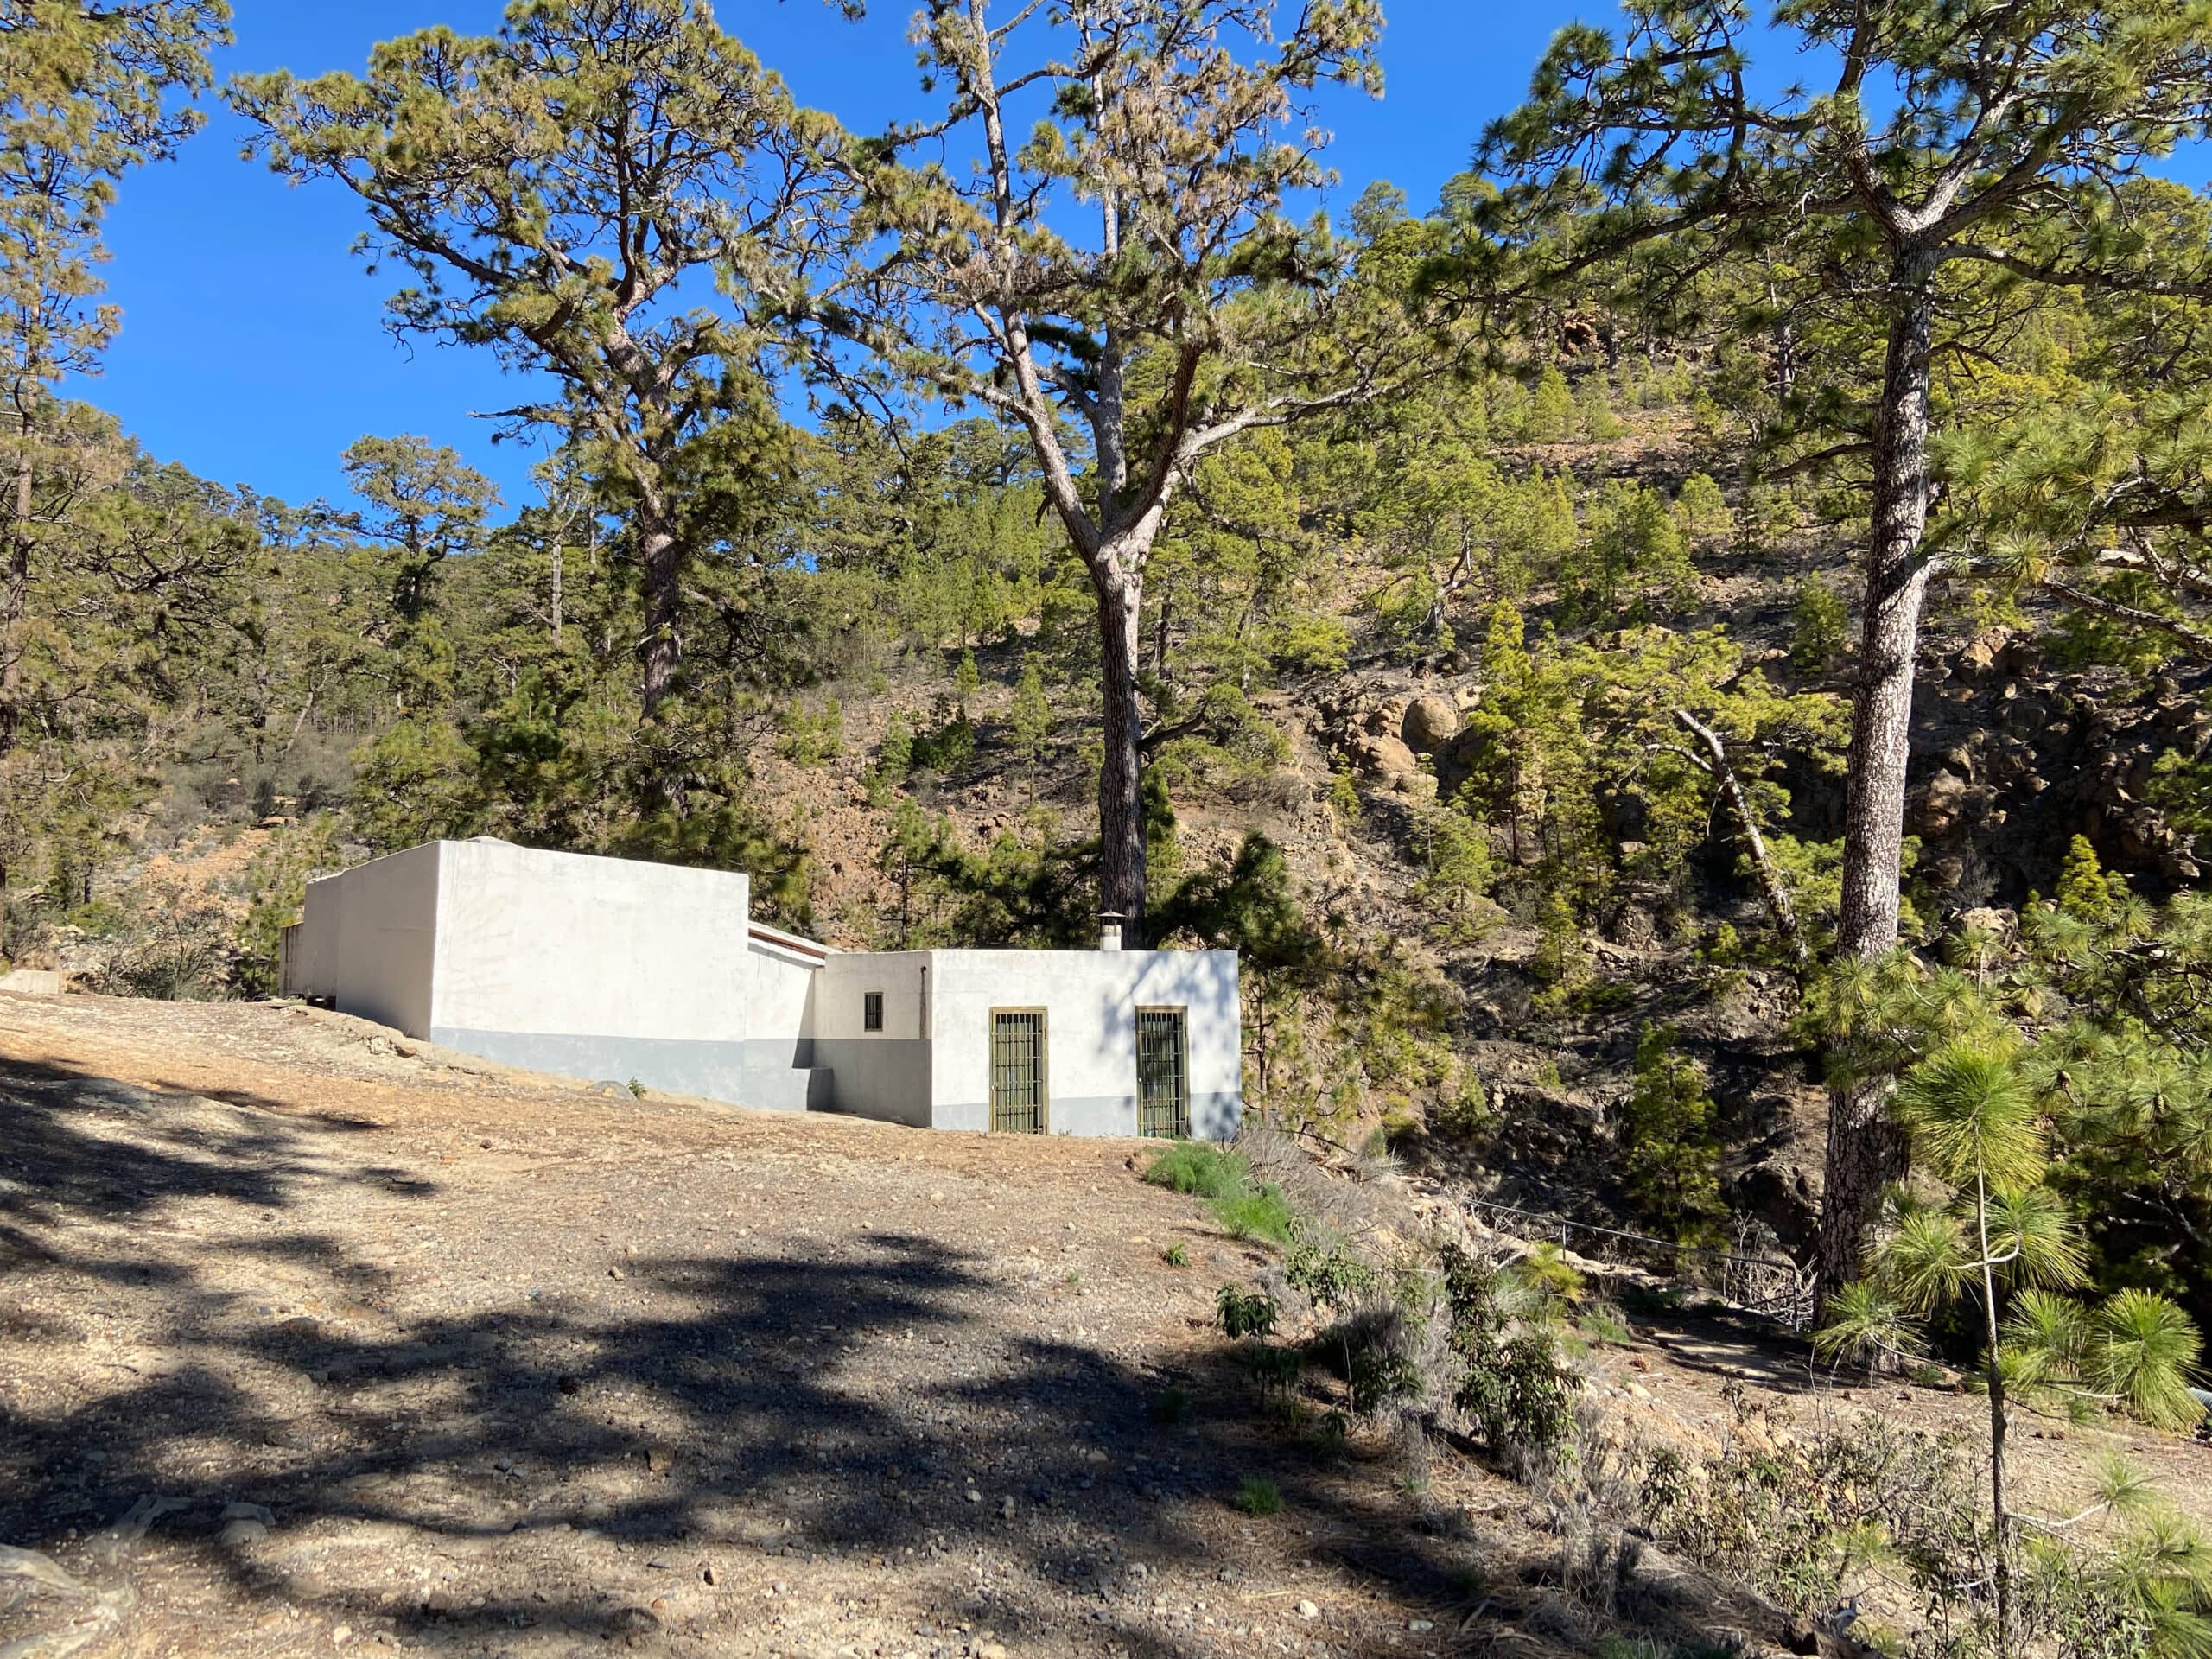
[(34, 981)]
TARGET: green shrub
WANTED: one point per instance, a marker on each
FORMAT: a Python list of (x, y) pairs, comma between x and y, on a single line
[(1199, 1168), (895, 758), (1244, 1210), (1515, 1389), (1256, 1496), (1171, 1405), (1551, 408), (810, 739), (1670, 1145), (1379, 1376), (1262, 1214), (1175, 1255), (1518, 1393), (1328, 1272), (1246, 1313), (1600, 1329), (1820, 626), (948, 744), (1273, 1368)]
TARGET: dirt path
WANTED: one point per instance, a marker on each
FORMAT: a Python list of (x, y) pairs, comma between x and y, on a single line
[(415, 1358)]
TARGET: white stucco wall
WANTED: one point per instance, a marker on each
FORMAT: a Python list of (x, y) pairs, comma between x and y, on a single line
[(780, 1062), (901, 976), (311, 954), (612, 968), (375, 935), (533, 941), (1090, 1000), (882, 1074)]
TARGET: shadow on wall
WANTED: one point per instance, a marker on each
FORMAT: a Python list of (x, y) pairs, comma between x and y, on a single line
[(1210, 1009)]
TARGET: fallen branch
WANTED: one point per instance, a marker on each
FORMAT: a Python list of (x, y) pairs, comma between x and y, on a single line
[(1715, 764)]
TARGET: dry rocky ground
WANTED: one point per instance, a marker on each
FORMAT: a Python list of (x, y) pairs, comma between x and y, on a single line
[(312, 1339)]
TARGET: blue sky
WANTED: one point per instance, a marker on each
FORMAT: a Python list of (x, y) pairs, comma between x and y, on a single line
[(253, 349)]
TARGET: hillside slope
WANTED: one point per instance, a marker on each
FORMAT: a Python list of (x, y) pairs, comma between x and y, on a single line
[(379, 1347)]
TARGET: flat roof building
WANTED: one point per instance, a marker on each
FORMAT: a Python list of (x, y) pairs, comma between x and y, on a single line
[(615, 969)]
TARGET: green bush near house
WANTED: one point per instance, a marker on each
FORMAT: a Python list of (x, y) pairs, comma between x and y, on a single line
[(1244, 1208), (1264, 1213), (1195, 1168)]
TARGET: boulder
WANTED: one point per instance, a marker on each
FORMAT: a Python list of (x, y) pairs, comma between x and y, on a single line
[(2001, 927), (1455, 763), (1431, 722), (1388, 758), (1946, 805), (1387, 719), (1981, 652)]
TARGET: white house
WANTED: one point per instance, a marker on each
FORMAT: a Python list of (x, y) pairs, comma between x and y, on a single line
[(605, 967)]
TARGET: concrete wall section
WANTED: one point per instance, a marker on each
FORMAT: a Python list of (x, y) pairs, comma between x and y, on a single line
[(903, 978), (312, 953), (1204, 983), (562, 944), (1090, 1000), (781, 1073), (711, 1070), (378, 957), (885, 1079), (881, 1074)]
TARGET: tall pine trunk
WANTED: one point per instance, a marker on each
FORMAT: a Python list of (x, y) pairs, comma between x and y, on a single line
[(14, 602), (14, 593), (660, 557), (1866, 1150), (1121, 804)]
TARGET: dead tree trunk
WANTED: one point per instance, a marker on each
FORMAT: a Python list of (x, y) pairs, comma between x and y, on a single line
[(1716, 765)]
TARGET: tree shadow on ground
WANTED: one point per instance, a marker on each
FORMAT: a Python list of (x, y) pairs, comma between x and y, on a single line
[(847, 1400)]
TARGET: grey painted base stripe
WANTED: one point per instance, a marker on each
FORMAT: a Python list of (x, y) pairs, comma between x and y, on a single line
[(884, 1078), (1215, 1117), (757, 1074)]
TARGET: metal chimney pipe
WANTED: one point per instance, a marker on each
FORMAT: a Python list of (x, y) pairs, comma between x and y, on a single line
[(1109, 929)]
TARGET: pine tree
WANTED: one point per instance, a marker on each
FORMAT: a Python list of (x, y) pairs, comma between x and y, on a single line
[(2085, 892), (1120, 325), (1819, 627), (690, 169), (1702, 511), (1670, 1146), (89, 96), (1593, 410), (1950, 149), (1550, 409), (1031, 721)]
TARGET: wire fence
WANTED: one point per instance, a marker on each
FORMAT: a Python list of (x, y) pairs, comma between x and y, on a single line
[(1772, 1286)]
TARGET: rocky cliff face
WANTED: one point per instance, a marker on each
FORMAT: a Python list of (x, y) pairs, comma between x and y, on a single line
[(2014, 759)]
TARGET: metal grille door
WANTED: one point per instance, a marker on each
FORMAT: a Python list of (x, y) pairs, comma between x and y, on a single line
[(1018, 1071), (1163, 1080)]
